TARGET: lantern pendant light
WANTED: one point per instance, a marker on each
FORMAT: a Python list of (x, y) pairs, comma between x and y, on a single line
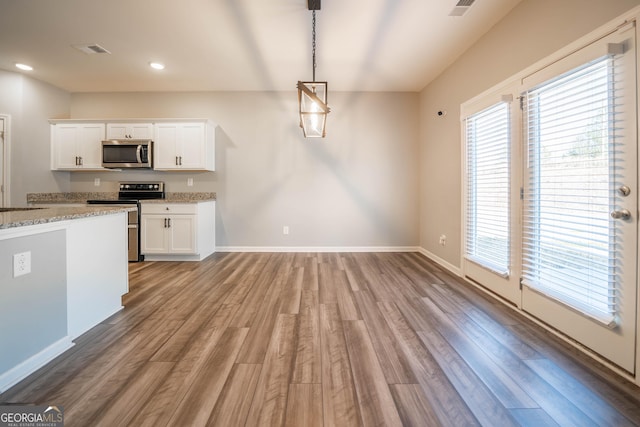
[(312, 96)]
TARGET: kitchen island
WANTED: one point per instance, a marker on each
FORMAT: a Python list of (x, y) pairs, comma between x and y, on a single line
[(63, 270)]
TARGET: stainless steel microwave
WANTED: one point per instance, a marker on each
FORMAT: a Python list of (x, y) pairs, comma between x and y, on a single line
[(127, 153)]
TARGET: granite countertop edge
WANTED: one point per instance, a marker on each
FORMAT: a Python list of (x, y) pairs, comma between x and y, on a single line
[(23, 218), (82, 197)]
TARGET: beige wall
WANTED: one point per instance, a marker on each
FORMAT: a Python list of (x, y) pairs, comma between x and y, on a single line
[(532, 31), (356, 187), (30, 103)]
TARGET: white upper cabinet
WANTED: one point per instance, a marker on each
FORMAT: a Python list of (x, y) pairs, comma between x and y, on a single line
[(184, 146), (77, 146), (129, 130), (178, 144)]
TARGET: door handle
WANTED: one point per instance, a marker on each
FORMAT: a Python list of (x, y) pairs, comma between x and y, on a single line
[(621, 214)]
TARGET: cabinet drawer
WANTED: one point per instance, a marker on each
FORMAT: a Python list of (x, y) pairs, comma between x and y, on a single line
[(169, 208)]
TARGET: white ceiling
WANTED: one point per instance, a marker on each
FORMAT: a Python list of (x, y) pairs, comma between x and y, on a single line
[(230, 45)]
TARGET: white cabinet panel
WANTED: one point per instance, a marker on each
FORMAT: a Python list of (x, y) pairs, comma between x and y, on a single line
[(184, 146), (177, 231), (129, 130), (77, 146)]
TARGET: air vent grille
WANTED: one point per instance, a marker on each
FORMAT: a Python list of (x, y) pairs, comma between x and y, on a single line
[(461, 7), (90, 49)]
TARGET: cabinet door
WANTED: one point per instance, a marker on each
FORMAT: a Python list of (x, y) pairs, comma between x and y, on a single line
[(153, 234), (129, 131), (192, 149), (90, 138), (77, 146), (182, 232), (64, 147), (166, 146)]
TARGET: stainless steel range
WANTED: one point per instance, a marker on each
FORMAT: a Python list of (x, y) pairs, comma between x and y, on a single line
[(130, 193)]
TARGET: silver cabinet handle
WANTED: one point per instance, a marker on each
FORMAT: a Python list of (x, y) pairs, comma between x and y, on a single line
[(621, 214)]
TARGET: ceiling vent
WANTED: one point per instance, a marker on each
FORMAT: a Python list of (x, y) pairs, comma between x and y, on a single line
[(90, 49), (461, 7)]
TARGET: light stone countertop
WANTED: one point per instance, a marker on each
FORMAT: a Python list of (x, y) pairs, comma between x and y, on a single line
[(183, 198), (24, 217), (80, 197)]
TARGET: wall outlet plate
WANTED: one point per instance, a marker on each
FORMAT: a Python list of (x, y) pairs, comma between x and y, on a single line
[(21, 264)]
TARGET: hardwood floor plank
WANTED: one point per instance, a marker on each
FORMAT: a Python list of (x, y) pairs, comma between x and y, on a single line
[(244, 281), (291, 294), (307, 365), (235, 399), (344, 295), (255, 347), (413, 407), (328, 292), (198, 404), (545, 396), (533, 418), (338, 391), (199, 318), (270, 399), (173, 390), (453, 329), (94, 388), (343, 339), (618, 392), (374, 398), (499, 333), (395, 366), (356, 277), (599, 411), (484, 405), (310, 278), (304, 407), (257, 293), (137, 392), (444, 400)]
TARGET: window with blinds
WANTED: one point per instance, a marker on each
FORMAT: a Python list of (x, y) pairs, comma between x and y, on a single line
[(569, 240), (487, 171)]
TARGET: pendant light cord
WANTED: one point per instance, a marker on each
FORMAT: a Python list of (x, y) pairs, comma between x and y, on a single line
[(313, 43)]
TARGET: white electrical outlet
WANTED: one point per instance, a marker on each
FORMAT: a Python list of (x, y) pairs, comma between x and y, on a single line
[(285, 230), (189, 182), (21, 264), (96, 182), (443, 240)]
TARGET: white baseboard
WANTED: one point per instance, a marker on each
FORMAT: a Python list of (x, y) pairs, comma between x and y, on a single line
[(317, 249), (452, 268), (35, 362)]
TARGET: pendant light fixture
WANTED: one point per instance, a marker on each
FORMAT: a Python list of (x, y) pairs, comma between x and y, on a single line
[(312, 96)]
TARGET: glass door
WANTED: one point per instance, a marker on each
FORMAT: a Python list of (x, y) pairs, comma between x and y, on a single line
[(579, 233), (491, 192)]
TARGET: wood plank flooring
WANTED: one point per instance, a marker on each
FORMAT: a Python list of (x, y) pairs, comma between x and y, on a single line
[(321, 339)]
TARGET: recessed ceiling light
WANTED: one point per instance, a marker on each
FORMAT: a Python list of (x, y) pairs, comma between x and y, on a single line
[(24, 67), (156, 65)]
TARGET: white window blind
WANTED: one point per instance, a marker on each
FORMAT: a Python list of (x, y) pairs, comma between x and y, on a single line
[(488, 183), (569, 240)]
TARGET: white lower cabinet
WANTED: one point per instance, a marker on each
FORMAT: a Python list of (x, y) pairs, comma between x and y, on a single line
[(177, 231)]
